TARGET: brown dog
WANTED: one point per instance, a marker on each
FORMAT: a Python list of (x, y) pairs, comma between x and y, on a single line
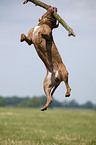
[(41, 37)]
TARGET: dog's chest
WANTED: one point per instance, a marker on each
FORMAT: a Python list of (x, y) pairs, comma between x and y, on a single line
[(35, 29), (36, 35)]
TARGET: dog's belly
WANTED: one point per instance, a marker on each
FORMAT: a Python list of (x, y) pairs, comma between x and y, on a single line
[(46, 50)]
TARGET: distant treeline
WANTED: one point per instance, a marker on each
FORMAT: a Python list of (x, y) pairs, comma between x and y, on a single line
[(40, 101)]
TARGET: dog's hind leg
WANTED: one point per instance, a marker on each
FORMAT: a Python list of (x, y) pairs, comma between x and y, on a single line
[(47, 85), (65, 78), (64, 74)]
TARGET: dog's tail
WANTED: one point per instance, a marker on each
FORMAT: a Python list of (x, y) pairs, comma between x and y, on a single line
[(54, 89)]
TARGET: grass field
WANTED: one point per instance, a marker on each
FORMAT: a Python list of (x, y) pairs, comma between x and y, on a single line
[(26, 126)]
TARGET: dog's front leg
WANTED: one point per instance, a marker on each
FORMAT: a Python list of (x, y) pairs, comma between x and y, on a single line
[(25, 38), (28, 38)]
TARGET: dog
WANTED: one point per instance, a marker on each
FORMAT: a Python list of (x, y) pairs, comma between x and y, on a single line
[(42, 39)]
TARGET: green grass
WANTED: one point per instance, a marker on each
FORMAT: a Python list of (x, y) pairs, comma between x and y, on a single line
[(26, 126)]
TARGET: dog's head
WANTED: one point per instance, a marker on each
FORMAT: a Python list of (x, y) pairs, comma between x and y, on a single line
[(48, 18), (52, 10)]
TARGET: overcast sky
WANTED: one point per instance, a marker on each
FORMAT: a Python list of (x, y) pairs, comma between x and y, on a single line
[(21, 70)]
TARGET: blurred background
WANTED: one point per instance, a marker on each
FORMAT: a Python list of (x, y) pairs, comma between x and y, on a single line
[(21, 70)]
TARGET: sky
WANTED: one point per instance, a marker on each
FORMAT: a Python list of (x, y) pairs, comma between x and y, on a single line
[(22, 72)]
